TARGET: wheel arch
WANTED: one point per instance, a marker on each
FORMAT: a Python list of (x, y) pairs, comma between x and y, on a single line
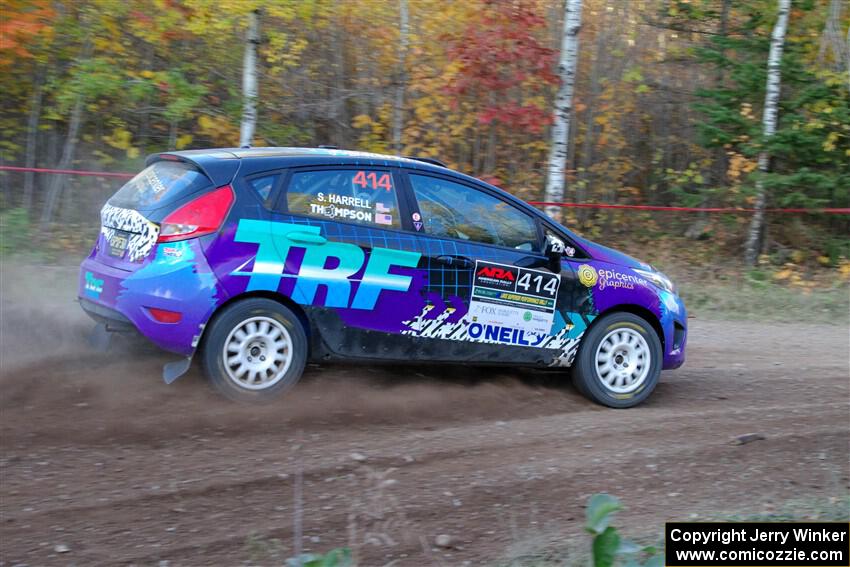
[(273, 296), (641, 312)]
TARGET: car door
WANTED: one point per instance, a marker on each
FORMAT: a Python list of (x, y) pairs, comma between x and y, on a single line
[(343, 255), (492, 293)]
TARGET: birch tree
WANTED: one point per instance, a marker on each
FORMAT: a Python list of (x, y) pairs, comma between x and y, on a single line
[(555, 179), (769, 119), (249, 80), (398, 103)]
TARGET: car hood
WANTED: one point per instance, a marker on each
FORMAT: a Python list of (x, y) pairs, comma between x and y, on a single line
[(605, 254)]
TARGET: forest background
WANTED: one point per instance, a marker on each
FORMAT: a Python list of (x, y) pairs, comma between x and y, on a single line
[(667, 110)]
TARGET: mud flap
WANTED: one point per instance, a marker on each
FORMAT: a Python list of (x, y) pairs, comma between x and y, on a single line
[(174, 370), (100, 338)]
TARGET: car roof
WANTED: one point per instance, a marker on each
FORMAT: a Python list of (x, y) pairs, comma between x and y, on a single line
[(222, 164)]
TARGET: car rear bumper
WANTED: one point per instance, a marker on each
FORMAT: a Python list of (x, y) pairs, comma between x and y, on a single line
[(177, 280)]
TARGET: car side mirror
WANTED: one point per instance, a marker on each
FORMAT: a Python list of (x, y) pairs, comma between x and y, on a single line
[(554, 252)]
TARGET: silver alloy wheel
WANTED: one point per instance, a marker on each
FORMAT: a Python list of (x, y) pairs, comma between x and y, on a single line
[(622, 360), (257, 353)]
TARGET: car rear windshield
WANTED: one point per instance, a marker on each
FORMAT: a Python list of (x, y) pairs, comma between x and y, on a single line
[(160, 184)]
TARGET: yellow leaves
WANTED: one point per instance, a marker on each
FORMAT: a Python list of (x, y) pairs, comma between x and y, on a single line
[(739, 165), (120, 138), (844, 269), (361, 121), (829, 142), (220, 130), (183, 141), (794, 275)]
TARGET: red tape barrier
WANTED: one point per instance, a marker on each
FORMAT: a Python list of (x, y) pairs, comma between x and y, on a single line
[(830, 211), (69, 172)]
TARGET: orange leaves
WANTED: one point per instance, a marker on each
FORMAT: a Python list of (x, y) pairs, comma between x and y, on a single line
[(23, 22)]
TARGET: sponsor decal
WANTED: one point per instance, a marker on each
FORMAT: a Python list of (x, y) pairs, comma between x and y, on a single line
[(564, 342), (570, 251), (496, 276), (417, 225), (173, 251), (382, 208), (330, 265), (513, 297), (587, 275), (416, 217), (154, 182), (616, 279), (93, 285), (507, 335)]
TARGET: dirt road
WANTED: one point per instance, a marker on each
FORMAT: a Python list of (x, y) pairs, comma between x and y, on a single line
[(104, 464)]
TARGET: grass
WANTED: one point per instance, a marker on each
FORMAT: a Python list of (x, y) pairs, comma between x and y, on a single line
[(766, 301)]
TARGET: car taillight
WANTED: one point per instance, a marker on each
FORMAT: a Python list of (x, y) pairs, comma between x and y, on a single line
[(201, 216), (164, 315)]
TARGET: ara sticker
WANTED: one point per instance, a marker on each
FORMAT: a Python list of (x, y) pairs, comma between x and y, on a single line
[(416, 217), (417, 225)]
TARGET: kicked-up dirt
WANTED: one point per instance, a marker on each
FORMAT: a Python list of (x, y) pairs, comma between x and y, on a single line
[(102, 463)]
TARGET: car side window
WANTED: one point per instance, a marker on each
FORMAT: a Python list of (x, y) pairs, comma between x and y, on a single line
[(364, 196), (263, 186), (453, 210)]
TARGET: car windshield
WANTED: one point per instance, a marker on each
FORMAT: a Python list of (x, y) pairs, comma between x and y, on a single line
[(160, 184)]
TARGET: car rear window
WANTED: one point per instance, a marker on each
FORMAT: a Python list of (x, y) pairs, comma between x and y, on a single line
[(160, 184)]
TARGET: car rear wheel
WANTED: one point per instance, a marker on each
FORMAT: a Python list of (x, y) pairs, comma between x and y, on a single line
[(619, 361), (255, 350)]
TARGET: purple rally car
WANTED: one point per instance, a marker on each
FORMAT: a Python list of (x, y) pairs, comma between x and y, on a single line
[(258, 260)]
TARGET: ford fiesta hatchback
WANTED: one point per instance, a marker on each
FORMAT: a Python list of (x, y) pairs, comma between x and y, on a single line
[(256, 261)]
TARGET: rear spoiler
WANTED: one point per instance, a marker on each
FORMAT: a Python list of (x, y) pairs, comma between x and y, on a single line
[(219, 166)]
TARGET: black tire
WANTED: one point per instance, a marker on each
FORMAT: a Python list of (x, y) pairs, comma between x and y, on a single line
[(587, 377), (263, 314)]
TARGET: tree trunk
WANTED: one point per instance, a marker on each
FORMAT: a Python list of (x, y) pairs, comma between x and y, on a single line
[(54, 191), (590, 114), (771, 110), (401, 76), (249, 80), (555, 179), (32, 139), (340, 95), (831, 40)]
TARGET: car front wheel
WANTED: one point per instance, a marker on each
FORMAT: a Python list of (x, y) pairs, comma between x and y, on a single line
[(619, 361), (254, 350)]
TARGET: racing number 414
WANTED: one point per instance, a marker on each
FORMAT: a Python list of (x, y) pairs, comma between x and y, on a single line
[(365, 179), (525, 282)]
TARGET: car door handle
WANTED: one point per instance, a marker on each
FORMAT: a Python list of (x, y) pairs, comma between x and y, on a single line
[(456, 261), (306, 237)]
